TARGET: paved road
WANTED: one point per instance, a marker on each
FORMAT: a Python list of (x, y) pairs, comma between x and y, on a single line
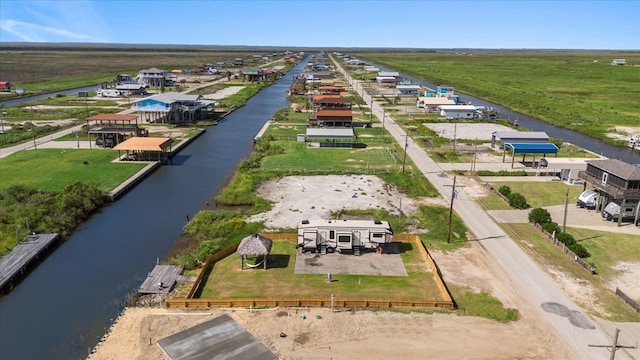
[(537, 287)]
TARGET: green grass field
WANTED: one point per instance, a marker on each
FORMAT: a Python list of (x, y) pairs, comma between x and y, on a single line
[(540, 194), (568, 89), (279, 280), (52, 169)]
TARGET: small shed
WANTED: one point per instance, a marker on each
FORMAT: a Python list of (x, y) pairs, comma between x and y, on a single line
[(254, 245)]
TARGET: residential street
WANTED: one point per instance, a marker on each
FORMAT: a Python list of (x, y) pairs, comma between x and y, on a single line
[(543, 296)]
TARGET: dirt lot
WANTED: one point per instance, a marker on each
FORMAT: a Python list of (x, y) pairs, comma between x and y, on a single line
[(363, 334)]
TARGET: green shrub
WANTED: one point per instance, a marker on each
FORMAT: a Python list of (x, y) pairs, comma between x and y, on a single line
[(505, 190), (539, 216), (579, 250), (565, 238), (517, 201), (550, 227)]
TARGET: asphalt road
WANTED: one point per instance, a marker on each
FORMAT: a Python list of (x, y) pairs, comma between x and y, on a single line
[(563, 315)]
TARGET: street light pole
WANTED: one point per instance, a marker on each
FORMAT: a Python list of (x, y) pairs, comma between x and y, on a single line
[(566, 203)]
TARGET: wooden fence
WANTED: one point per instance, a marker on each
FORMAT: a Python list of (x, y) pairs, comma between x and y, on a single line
[(628, 300), (190, 302), (560, 245)]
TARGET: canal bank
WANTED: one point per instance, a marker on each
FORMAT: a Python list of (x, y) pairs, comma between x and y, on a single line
[(89, 279)]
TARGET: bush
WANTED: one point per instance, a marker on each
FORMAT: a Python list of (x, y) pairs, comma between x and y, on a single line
[(579, 250), (539, 216), (505, 190), (565, 238), (550, 227), (517, 201)]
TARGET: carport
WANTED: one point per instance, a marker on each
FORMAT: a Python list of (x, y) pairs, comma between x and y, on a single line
[(530, 148), (145, 149)]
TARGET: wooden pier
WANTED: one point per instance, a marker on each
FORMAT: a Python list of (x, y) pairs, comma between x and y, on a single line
[(17, 261), (161, 279)]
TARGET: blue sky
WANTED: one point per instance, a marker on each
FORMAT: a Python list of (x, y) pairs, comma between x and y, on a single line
[(511, 24)]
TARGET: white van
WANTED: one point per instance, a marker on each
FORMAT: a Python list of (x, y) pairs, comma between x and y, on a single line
[(588, 199), (612, 211)]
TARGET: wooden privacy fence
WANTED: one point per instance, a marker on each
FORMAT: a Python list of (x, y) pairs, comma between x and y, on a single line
[(297, 302), (628, 300), (190, 302)]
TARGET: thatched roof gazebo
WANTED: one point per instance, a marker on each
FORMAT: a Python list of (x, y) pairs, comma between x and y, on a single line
[(254, 245)]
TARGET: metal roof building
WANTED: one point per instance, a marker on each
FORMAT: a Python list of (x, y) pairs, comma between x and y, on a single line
[(520, 137)]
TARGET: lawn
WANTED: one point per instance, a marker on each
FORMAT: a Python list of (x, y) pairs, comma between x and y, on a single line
[(299, 157), (568, 89), (52, 169), (279, 280), (539, 194), (602, 301)]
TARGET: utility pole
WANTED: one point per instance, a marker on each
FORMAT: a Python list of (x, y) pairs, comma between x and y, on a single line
[(614, 347), (455, 128), (404, 158), (566, 203), (453, 196), (33, 131), (384, 114)]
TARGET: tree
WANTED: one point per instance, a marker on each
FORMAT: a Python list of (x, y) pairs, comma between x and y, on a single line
[(539, 216)]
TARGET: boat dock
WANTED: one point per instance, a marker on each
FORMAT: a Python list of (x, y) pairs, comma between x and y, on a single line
[(262, 130), (161, 279), (15, 263)]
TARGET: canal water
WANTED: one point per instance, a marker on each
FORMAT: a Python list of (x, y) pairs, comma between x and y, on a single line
[(26, 99), (592, 144), (68, 302)]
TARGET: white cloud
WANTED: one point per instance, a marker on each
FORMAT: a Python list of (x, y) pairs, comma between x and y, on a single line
[(39, 33)]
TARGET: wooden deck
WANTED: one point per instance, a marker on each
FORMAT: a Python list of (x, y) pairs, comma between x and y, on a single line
[(16, 262), (161, 279)]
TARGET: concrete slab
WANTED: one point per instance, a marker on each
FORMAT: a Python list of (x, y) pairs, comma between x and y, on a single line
[(219, 338), (388, 263)]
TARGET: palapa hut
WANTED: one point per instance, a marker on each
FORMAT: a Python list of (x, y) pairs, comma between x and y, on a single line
[(254, 245)]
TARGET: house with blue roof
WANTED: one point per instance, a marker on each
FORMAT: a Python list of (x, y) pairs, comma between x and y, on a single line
[(172, 108)]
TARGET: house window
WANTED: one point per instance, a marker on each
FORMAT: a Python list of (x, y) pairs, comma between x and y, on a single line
[(344, 238), (332, 234), (605, 176)]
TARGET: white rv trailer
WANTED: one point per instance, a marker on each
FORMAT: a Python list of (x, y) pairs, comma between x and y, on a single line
[(339, 235)]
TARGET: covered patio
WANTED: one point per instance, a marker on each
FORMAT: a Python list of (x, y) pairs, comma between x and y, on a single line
[(529, 148), (144, 149)]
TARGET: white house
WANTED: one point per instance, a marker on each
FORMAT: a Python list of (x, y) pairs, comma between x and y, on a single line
[(457, 111), (151, 77), (407, 90)]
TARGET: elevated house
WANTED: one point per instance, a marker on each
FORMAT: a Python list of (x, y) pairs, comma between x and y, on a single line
[(331, 90), (445, 91), (457, 111), (151, 77), (238, 62), (407, 90), (328, 102), (172, 107), (331, 118), (254, 75), (616, 181)]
